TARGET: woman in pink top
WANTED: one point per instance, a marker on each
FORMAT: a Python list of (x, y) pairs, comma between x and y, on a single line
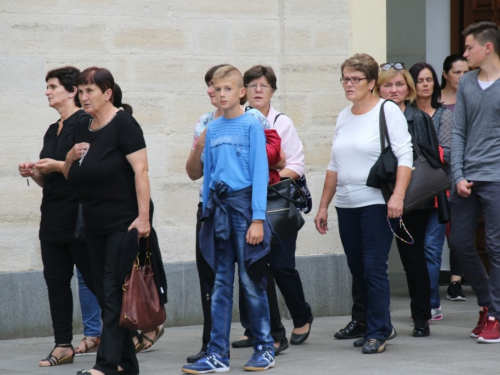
[(260, 82)]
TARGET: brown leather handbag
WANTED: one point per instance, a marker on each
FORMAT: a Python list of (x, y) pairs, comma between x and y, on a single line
[(141, 307)]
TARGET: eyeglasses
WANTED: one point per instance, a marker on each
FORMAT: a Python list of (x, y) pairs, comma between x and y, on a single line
[(396, 65), (354, 80), (401, 225), (263, 87)]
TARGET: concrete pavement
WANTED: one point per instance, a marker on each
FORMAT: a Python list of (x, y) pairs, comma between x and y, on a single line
[(448, 350)]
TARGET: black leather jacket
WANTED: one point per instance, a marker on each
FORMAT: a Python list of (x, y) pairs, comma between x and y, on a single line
[(422, 130)]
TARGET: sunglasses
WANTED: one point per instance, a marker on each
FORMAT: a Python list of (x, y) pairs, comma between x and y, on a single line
[(396, 65)]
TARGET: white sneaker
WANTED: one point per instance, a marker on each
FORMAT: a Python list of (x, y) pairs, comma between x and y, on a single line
[(437, 314)]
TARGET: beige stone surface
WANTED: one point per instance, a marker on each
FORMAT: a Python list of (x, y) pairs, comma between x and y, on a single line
[(159, 52)]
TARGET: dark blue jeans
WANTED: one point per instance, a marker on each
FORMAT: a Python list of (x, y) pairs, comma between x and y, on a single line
[(366, 238), (222, 295)]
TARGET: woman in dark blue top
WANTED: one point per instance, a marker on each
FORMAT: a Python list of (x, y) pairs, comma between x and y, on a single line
[(61, 251)]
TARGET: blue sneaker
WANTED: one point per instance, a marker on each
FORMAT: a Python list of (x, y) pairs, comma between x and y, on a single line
[(261, 360), (208, 364)]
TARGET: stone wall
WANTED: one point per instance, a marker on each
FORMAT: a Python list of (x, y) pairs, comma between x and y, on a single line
[(159, 52)]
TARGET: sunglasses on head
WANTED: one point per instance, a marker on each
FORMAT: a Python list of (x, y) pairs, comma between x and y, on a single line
[(396, 65)]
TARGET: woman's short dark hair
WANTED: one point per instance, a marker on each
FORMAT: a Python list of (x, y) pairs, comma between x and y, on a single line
[(209, 75), (436, 92), (364, 63), (103, 79), (484, 32), (257, 71), (67, 77), (447, 64)]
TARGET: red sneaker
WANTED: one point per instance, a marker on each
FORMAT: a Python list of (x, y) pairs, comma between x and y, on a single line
[(480, 323), (491, 331)]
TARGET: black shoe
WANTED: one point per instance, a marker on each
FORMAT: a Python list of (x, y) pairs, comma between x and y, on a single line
[(421, 329), (200, 355), (361, 342), (299, 339), (283, 346), (247, 343), (374, 346), (352, 330), (455, 292)]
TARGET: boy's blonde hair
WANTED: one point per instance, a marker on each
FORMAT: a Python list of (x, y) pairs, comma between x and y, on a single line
[(229, 71)]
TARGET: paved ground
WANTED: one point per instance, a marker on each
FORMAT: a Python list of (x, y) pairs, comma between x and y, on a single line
[(448, 350)]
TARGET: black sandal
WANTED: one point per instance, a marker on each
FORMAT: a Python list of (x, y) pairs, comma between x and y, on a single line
[(54, 361)]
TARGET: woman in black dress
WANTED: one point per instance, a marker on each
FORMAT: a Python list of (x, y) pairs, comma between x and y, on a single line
[(108, 168), (61, 251)]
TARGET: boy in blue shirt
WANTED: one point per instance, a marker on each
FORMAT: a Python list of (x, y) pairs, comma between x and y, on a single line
[(235, 228)]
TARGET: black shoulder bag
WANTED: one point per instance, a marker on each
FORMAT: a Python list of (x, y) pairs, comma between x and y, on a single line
[(426, 181)]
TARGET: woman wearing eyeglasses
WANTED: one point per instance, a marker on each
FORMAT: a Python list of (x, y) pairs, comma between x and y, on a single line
[(363, 214), (395, 83), (428, 100)]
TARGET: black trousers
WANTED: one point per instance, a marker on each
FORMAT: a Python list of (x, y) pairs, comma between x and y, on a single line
[(116, 347), (415, 266), (278, 331), (282, 264), (59, 261), (203, 271)]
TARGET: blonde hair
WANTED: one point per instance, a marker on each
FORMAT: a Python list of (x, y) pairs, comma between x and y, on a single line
[(229, 71), (386, 75)]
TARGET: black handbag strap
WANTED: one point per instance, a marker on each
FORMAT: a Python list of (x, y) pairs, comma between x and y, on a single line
[(384, 133), (288, 198)]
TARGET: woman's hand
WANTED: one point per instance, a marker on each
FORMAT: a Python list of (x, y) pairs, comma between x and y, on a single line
[(321, 221), (142, 225), (395, 206), (255, 233), (25, 169), (48, 165), (200, 142), (78, 151)]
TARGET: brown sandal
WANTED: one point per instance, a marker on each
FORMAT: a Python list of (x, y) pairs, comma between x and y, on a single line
[(150, 342), (54, 361), (89, 350)]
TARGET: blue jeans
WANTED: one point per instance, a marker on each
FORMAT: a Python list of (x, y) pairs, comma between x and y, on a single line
[(222, 294), (366, 238), (434, 241), (91, 312)]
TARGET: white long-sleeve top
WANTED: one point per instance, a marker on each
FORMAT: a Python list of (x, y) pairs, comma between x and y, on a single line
[(356, 147), (290, 141)]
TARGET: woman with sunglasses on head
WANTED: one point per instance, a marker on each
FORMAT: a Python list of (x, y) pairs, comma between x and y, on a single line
[(363, 215), (428, 100), (395, 83), (454, 67)]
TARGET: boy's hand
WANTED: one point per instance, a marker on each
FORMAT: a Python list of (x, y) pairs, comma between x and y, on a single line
[(255, 233)]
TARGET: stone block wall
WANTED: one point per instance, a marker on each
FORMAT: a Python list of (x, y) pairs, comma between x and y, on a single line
[(159, 52)]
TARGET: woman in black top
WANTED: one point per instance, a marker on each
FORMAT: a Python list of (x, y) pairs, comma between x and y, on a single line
[(61, 251), (108, 167)]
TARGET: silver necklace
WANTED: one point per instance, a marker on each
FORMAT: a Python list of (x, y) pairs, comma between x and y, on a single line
[(101, 127)]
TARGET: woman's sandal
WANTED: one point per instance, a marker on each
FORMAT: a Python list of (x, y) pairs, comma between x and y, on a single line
[(140, 342), (151, 342), (89, 350), (54, 361)]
